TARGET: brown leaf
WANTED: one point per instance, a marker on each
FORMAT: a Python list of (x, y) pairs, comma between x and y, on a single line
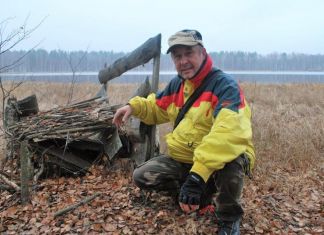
[(11, 212), (126, 230), (66, 228), (70, 199), (93, 217), (109, 227), (258, 229), (161, 214), (96, 227), (276, 224)]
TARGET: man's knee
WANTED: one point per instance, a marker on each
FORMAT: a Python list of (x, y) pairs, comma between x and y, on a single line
[(146, 179), (138, 178), (234, 169)]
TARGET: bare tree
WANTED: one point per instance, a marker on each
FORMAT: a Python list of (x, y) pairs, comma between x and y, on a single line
[(74, 67), (9, 39)]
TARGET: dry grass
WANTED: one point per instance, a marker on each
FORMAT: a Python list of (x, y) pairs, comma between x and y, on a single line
[(288, 125), (286, 194), (287, 119)]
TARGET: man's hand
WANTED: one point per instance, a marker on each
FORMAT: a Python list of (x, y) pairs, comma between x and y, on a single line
[(191, 192), (122, 114)]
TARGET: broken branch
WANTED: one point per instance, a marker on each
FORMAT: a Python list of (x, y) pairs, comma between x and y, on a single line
[(9, 182), (72, 207)]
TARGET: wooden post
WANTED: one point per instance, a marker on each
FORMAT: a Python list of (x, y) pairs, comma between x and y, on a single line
[(155, 87), (156, 72), (25, 174), (11, 116)]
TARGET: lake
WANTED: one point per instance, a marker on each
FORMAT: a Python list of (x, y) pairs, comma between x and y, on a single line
[(268, 77)]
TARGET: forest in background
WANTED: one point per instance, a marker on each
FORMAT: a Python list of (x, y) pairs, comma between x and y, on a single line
[(58, 61)]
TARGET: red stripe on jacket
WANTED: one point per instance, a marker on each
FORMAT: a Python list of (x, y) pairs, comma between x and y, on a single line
[(175, 98), (207, 96)]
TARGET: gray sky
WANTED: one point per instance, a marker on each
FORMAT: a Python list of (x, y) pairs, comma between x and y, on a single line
[(263, 26)]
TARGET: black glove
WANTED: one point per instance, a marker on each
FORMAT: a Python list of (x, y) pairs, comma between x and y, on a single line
[(192, 189)]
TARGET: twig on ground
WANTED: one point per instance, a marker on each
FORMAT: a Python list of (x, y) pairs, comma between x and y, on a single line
[(72, 207), (9, 182)]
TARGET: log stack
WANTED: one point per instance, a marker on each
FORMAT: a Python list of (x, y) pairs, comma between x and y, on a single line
[(70, 137)]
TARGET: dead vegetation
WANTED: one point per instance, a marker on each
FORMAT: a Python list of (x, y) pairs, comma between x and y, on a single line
[(285, 195)]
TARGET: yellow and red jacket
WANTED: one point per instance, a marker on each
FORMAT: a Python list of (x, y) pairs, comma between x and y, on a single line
[(214, 131)]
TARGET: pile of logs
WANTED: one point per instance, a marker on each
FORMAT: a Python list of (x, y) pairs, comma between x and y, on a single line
[(73, 137), (70, 137), (74, 122)]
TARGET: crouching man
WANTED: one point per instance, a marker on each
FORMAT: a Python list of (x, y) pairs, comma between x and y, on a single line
[(210, 148)]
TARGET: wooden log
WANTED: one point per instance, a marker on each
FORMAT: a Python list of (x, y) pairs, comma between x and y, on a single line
[(154, 139), (102, 93), (140, 134), (68, 130), (28, 106), (11, 116), (139, 56), (156, 72), (136, 130), (144, 89), (25, 172), (141, 151)]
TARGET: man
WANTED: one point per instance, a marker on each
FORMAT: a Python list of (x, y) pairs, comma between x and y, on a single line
[(210, 149)]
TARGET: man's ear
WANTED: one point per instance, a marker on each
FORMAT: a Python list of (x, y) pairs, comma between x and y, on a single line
[(204, 51)]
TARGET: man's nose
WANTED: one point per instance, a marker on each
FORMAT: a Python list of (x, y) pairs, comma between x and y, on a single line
[(183, 60)]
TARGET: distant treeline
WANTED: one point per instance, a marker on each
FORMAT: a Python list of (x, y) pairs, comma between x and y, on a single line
[(58, 61)]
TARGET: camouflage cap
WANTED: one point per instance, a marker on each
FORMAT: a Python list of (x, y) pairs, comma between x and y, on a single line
[(186, 37)]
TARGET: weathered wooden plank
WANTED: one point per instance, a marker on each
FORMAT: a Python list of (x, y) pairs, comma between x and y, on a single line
[(154, 139), (144, 89), (139, 56), (69, 158), (25, 172), (11, 116)]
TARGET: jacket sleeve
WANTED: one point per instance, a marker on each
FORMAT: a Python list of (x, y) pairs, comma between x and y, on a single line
[(147, 110), (230, 134)]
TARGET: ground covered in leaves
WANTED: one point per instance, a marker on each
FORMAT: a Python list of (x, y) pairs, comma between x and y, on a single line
[(289, 202)]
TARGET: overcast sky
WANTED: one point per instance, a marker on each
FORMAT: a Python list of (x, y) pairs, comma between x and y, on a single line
[(262, 26)]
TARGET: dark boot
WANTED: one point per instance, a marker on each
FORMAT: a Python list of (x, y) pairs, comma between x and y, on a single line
[(229, 227)]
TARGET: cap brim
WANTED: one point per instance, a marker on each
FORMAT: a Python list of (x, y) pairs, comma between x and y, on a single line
[(183, 44)]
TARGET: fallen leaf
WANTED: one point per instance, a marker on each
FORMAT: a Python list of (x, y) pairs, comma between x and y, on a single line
[(258, 230), (109, 227)]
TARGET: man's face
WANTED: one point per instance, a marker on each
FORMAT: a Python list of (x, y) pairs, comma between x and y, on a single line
[(188, 60)]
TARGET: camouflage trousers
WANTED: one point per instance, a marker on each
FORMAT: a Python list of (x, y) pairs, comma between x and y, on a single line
[(163, 173)]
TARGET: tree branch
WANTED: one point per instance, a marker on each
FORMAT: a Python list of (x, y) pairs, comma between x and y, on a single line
[(9, 182), (18, 35), (72, 207)]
